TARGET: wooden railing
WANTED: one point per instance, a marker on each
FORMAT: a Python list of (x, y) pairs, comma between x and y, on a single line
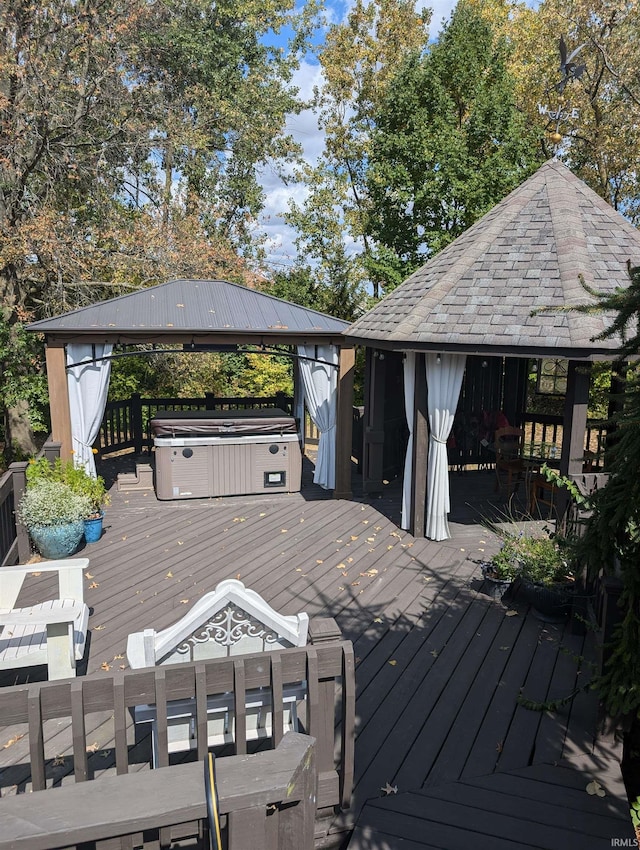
[(538, 428), (125, 423), (57, 733), (265, 800)]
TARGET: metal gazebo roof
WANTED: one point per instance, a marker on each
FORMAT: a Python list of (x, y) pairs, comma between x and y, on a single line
[(198, 308)]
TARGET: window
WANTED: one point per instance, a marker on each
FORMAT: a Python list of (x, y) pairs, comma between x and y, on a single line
[(552, 377)]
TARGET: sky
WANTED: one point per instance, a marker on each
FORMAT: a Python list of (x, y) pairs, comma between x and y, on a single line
[(280, 246)]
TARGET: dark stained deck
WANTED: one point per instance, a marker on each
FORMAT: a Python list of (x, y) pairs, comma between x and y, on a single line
[(439, 664)]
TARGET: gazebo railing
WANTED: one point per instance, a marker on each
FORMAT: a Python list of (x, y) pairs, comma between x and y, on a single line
[(538, 429), (545, 429), (125, 424)]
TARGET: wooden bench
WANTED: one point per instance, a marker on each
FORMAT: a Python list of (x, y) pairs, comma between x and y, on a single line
[(123, 806), (52, 632), (231, 620)]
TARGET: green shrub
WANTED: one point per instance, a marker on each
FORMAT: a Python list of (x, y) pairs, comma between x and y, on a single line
[(542, 560), (52, 503), (75, 477)]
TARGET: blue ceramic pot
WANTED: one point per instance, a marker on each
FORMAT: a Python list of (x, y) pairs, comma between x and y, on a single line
[(93, 529), (57, 541)]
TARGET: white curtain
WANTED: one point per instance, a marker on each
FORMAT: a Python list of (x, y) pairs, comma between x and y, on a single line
[(320, 382), (409, 373), (444, 379), (88, 387)]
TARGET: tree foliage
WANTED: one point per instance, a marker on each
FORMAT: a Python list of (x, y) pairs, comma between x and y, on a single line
[(358, 58), (612, 540), (449, 143), (601, 144), (132, 135)]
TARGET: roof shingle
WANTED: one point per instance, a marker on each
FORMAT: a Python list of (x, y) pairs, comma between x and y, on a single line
[(529, 253)]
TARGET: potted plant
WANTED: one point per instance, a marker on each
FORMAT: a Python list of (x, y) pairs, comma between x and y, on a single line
[(501, 570), (539, 564), (54, 515), (79, 480), (547, 580)]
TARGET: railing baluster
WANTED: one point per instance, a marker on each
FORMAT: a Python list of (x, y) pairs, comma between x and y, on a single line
[(276, 700), (240, 710), (313, 693), (36, 739), (348, 727), (200, 674), (78, 730), (161, 736), (120, 724)]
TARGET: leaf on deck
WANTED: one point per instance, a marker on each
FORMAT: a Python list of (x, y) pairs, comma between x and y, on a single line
[(13, 741), (594, 788)]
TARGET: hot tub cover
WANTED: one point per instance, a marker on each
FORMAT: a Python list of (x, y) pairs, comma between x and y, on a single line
[(174, 423)]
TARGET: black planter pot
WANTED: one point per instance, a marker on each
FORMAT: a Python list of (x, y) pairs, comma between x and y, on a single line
[(551, 603), (494, 587)]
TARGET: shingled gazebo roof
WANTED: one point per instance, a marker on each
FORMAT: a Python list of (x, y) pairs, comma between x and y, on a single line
[(528, 253)]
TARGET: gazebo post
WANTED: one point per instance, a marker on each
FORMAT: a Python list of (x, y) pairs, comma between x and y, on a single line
[(574, 425), (59, 397), (344, 423), (575, 417), (373, 431), (419, 461)]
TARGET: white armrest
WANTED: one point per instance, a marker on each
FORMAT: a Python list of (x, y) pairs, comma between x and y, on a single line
[(29, 616), (49, 566), (141, 649), (70, 575)]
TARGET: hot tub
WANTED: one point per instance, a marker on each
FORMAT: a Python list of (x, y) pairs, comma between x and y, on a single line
[(206, 453)]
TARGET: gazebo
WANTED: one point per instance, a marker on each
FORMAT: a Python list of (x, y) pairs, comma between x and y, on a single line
[(504, 288), (200, 314)]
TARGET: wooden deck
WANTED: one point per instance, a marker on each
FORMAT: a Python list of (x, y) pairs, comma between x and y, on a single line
[(440, 665)]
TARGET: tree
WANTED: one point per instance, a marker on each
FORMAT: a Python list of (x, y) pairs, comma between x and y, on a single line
[(358, 58), (601, 142), (449, 143), (612, 539), (131, 134), (223, 97)]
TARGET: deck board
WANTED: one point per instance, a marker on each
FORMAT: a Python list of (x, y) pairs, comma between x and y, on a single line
[(439, 665)]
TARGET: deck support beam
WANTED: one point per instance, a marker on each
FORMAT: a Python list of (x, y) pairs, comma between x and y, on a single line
[(575, 417), (373, 440), (59, 397), (344, 423)]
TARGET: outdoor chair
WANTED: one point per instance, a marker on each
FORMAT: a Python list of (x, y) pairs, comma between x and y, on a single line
[(231, 620), (542, 497), (52, 632), (508, 443)]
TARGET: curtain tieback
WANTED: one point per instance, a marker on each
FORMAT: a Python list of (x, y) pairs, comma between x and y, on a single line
[(438, 440)]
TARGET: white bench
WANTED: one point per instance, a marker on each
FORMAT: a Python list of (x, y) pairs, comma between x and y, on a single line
[(52, 632), (231, 620)]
